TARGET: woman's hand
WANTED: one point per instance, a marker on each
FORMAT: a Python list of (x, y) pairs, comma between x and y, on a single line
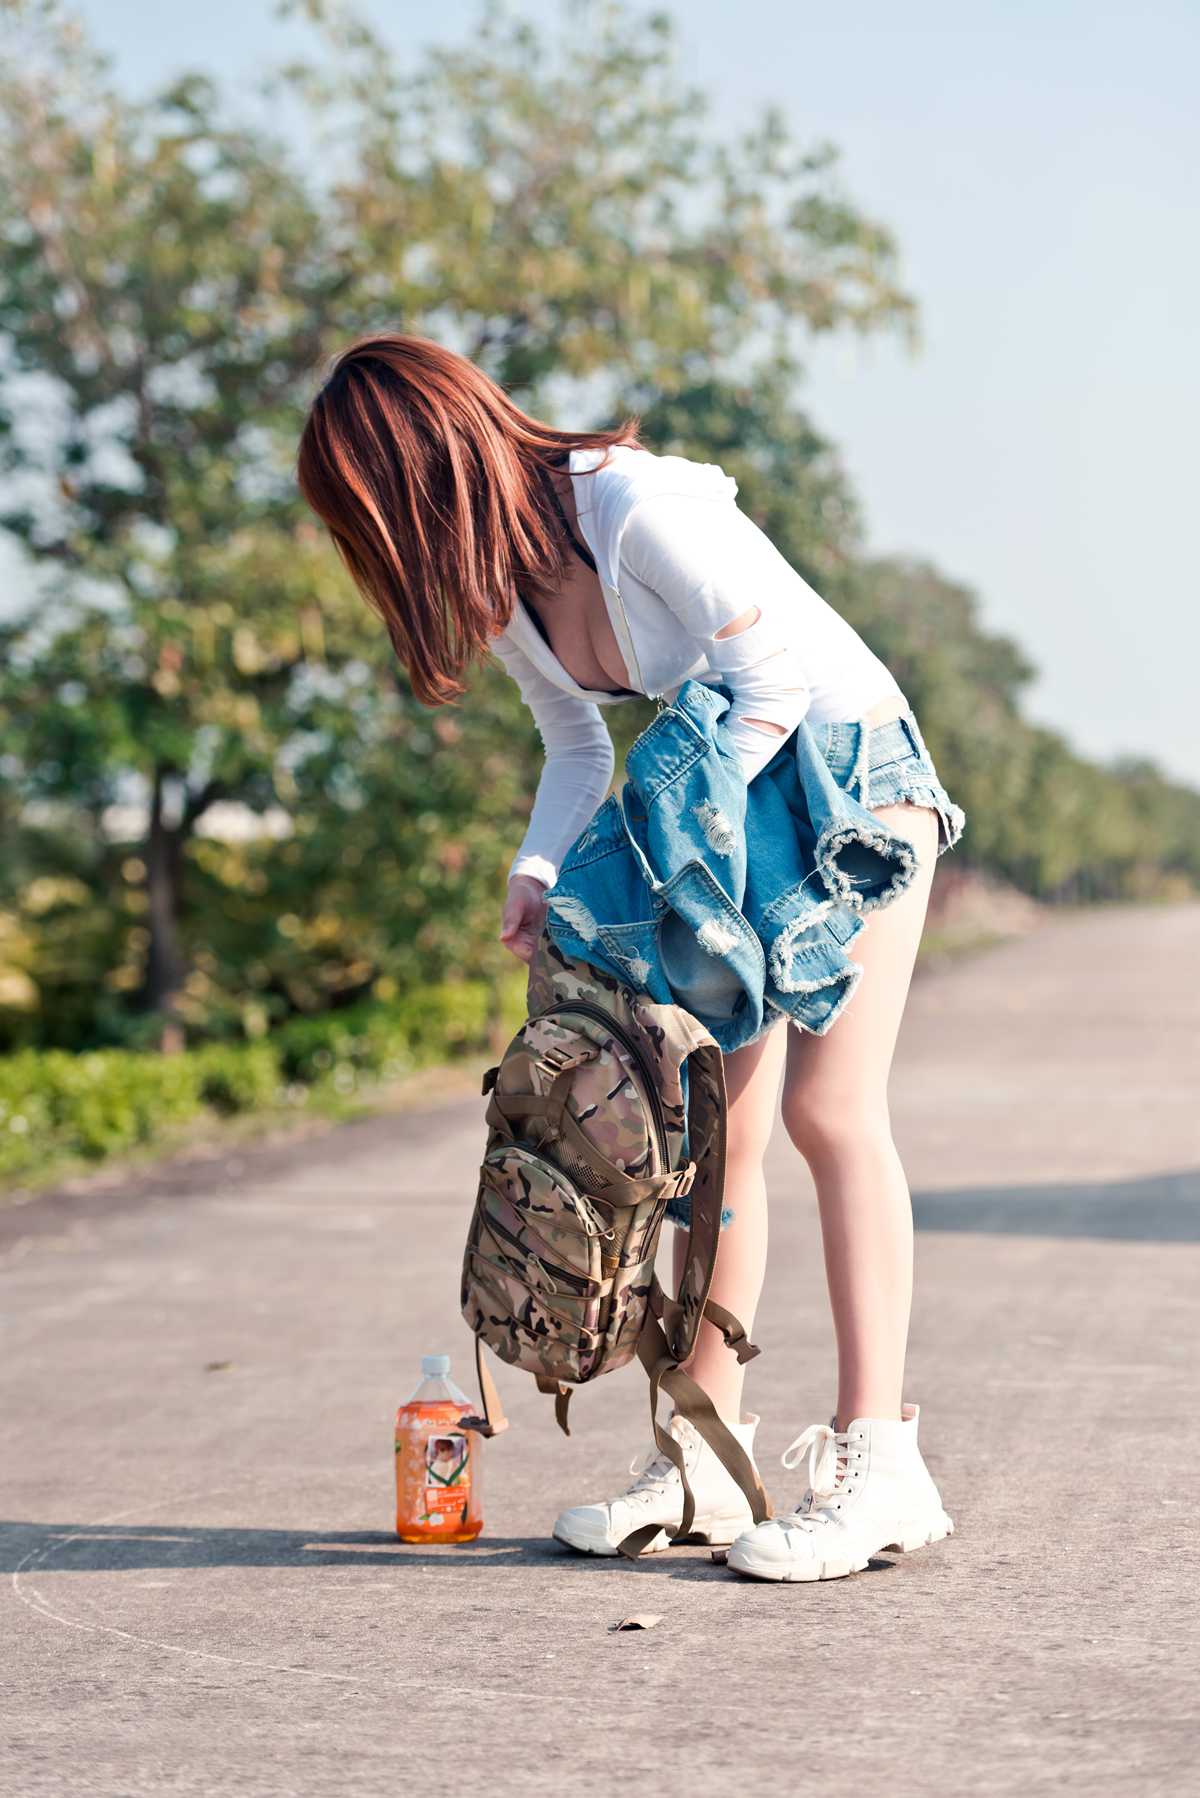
[(523, 916)]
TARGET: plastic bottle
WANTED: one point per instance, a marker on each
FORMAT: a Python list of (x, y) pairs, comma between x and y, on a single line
[(437, 1464)]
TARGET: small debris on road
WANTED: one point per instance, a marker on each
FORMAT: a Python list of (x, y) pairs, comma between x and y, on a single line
[(643, 1620)]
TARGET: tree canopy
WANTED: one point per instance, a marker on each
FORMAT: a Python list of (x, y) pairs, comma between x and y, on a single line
[(547, 199)]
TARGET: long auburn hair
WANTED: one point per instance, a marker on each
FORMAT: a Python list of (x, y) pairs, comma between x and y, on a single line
[(432, 485)]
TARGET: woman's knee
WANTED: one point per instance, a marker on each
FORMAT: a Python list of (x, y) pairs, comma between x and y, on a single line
[(823, 1122)]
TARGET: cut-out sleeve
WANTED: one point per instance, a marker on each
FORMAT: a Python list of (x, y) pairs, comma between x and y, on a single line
[(576, 774), (711, 564)]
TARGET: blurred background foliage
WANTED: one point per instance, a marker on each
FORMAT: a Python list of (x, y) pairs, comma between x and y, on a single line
[(221, 808)]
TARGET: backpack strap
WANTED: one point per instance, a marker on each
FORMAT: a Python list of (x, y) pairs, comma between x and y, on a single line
[(561, 1394), (706, 1115), (669, 1333), (491, 1420), (693, 1403), (733, 1332)]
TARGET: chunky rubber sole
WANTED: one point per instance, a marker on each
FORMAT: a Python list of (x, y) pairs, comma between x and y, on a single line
[(718, 1532), (919, 1535)]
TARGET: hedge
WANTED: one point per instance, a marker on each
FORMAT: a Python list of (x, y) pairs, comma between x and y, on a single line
[(55, 1105)]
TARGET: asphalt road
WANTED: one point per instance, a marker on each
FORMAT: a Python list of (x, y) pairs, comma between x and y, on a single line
[(199, 1373)]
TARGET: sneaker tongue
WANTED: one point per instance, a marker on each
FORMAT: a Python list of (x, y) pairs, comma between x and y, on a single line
[(834, 1471), (661, 1466)]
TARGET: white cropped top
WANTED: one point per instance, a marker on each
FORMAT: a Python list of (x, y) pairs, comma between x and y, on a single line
[(677, 560)]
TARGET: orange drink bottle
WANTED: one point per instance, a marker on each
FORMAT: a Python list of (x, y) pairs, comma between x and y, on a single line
[(437, 1462)]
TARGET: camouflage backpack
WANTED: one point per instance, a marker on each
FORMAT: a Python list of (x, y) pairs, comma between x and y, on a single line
[(586, 1133)]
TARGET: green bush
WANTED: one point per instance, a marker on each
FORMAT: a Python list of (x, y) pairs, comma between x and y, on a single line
[(237, 1076), (341, 1047), (54, 1105), (381, 1040)]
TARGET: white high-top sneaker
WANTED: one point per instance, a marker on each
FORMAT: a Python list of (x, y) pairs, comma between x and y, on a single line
[(656, 1496), (868, 1489)]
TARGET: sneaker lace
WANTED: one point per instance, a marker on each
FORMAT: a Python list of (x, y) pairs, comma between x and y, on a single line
[(655, 1470), (827, 1450)]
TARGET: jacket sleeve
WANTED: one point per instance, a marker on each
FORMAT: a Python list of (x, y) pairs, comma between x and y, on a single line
[(577, 771), (710, 564)]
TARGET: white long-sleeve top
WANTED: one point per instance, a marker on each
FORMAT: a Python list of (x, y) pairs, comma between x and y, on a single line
[(677, 560)]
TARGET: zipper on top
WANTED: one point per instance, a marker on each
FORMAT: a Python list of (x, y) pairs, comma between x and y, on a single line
[(637, 666), (586, 556), (586, 553)]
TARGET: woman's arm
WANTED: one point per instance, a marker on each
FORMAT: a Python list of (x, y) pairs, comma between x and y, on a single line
[(577, 771), (739, 598)]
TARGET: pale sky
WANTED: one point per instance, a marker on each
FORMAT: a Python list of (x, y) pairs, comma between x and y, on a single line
[(1037, 163)]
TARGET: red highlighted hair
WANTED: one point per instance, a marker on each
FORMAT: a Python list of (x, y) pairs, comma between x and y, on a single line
[(434, 487)]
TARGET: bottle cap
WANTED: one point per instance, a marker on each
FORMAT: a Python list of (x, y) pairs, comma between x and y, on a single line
[(433, 1365)]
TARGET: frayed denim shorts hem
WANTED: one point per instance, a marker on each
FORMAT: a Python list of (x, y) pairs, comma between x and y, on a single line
[(889, 764)]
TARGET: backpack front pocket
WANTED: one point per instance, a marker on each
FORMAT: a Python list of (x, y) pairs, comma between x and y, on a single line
[(558, 1286), (518, 1323), (542, 1210)]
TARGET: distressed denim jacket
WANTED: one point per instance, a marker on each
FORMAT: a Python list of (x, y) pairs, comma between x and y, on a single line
[(736, 901)]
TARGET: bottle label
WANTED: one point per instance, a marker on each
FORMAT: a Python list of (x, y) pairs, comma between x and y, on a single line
[(447, 1478), (434, 1468)]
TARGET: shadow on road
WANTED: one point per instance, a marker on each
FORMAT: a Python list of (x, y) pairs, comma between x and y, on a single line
[(133, 1547), (1161, 1208), (33, 1548)]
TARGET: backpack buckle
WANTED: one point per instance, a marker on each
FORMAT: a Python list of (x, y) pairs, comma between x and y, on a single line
[(686, 1180), (556, 1059)]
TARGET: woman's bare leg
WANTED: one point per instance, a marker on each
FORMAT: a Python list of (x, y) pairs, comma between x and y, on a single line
[(835, 1110), (752, 1076)]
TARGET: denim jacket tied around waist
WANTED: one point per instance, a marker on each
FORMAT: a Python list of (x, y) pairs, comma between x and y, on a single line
[(736, 901)]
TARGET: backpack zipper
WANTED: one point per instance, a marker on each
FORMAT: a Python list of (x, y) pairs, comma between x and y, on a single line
[(635, 1055), (580, 1282)]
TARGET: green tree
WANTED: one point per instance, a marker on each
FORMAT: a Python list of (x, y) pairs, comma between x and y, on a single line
[(551, 197), (159, 281), (171, 283)]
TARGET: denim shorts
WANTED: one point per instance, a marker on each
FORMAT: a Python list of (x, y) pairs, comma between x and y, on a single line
[(885, 764)]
